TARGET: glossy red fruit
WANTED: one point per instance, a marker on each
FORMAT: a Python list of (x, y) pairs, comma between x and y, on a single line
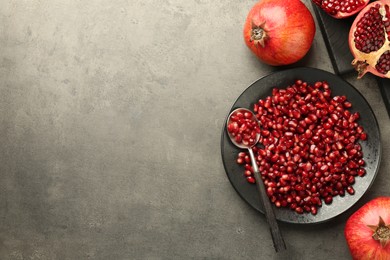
[(279, 32), (368, 230), (369, 40), (341, 8)]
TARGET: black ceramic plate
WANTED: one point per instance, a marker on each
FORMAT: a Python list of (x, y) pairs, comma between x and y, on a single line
[(371, 147)]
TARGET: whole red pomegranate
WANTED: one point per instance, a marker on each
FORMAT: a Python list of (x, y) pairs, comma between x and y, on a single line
[(369, 40), (279, 32), (368, 230), (341, 8)]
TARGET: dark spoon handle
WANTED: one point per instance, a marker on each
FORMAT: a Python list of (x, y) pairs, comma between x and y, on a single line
[(277, 237)]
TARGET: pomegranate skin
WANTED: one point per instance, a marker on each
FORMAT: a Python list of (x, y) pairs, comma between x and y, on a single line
[(359, 235), (279, 32), (367, 61)]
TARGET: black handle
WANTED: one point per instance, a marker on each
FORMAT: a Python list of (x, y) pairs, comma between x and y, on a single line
[(384, 86), (277, 237)]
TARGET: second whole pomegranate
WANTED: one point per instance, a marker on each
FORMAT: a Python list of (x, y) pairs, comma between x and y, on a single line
[(279, 32)]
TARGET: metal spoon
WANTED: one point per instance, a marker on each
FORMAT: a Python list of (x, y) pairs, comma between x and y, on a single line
[(277, 238)]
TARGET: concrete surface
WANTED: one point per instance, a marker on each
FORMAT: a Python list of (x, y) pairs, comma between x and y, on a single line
[(110, 121)]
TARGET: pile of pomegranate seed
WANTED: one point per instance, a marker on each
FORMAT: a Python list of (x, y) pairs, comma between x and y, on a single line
[(243, 127), (309, 150)]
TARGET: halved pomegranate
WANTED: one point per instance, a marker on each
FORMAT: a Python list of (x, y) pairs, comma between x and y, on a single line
[(369, 40), (341, 8)]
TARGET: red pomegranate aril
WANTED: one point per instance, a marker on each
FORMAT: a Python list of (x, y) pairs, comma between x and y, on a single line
[(247, 159), (328, 200), (250, 179), (361, 162), (299, 210), (241, 154), (361, 172), (308, 166), (247, 115), (247, 173), (293, 206), (352, 152), (248, 167), (363, 136), (350, 190), (351, 179)]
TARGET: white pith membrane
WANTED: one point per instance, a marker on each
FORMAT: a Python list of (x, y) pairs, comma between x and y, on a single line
[(363, 61)]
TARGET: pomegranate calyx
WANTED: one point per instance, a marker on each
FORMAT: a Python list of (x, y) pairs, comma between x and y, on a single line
[(381, 232), (360, 66), (258, 34)]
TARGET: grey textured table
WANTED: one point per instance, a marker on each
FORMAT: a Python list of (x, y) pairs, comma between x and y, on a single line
[(111, 115)]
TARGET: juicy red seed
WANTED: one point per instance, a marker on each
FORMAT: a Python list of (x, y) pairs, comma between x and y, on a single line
[(299, 210), (351, 179), (361, 162), (361, 172), (350, 190), (247, 159), (347, 104), (241, 154), (328, 200), (248, 167), (250, 179)]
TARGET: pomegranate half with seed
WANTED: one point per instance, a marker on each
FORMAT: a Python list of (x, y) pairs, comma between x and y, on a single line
[(369, 40), (341, 8)]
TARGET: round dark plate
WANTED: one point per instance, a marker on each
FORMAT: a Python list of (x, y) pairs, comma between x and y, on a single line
[(371, 147)]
